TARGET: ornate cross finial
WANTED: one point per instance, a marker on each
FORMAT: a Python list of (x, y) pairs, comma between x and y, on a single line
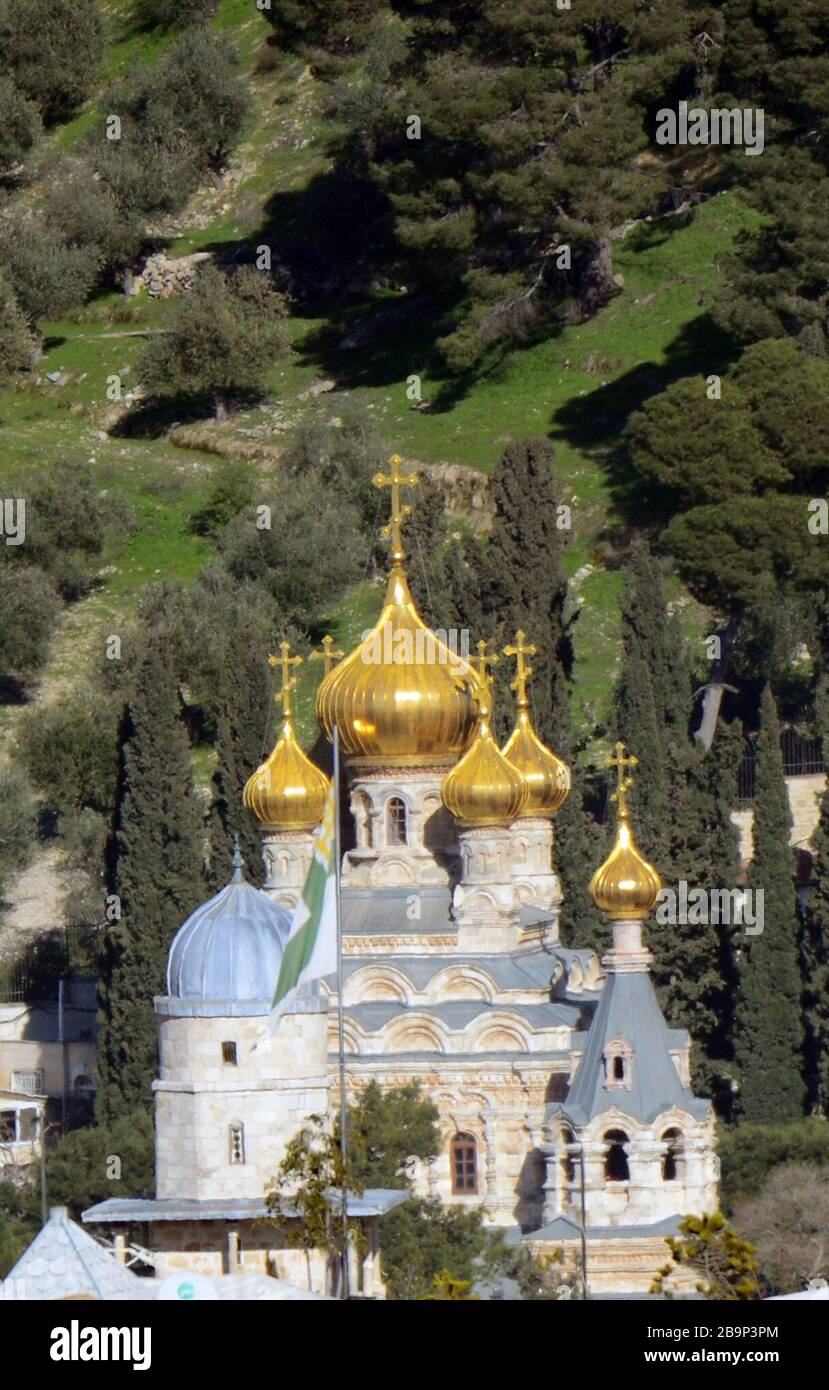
[(286, 661), (624, 781), (399, 511), (523, 671), (484, 659), (329, 654)]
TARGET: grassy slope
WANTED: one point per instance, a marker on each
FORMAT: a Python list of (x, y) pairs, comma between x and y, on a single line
[(579, 385)]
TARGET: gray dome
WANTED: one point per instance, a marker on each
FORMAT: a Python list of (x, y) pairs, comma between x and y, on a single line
[(231, 947)]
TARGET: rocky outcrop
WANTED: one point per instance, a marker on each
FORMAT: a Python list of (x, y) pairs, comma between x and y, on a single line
[(163, 277)]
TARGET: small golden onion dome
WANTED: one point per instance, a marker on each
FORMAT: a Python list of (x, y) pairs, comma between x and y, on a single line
[(626, 886), (484, 788), (287, 790), (401, 694), (547, 777)]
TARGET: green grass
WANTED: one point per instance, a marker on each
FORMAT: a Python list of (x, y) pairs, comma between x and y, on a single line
[(578, 385)]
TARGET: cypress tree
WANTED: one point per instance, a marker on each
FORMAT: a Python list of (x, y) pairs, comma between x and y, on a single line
[(155, 869), (814, 960), (523, 584), (768, 1035), (694, 966)]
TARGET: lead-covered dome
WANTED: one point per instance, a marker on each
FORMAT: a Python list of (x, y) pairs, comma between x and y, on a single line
[(231, 947)]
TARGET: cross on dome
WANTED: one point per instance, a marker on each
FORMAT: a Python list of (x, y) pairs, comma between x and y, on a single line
[(329, 654), (523, 670), (624, 781), (399, 510), (285, 661)]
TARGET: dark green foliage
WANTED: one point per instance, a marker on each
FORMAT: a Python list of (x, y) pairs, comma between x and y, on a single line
[(293, 557), (77, 1176), (170, 14), (749, 1153), (78, 1168), (66, 524), (423, 1237), (387, 1129), (768, 1032), (224, 339), (523, 584), (233, 489), (48, 275), (19, 1222), (777, 284), (737, 473), (530, 134), (18, 823), (87, 216), (17, 347), (235, 626), (69, 750), (52, 51), (29, 608), (814, 950), (20, 128), (156, 872), (179, 120)]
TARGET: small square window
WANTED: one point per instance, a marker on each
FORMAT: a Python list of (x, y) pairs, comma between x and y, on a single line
[(229, 1053)]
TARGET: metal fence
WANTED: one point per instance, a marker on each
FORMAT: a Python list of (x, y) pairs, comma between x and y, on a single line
[(802, 757), (35, 972)]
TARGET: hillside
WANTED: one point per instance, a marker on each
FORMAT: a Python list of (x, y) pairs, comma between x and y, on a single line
[(579, 386)]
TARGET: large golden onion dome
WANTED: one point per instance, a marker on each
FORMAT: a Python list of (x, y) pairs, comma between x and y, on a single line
[(484, 788), (402, 695), (287, 791), (547, 777), (626, 886)]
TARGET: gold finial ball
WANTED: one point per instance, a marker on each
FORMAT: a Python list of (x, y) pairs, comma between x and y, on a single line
[(626, 886)]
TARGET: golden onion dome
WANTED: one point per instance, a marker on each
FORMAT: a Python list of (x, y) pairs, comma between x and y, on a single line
[(402, 695), (484, 788), (547, 777), (626, 886), (287, 790)]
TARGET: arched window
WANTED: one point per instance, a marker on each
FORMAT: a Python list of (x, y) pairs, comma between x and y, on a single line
[(618, 1065), (236, 1135), (568, 1163), (464, 1155), (396, 822), (616, 1160), (672, 1139)]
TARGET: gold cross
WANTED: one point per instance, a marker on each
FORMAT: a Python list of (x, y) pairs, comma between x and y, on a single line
[(624, 782), (483, 660), (399, 511), (523, 670), (328, 654), (286, 661)]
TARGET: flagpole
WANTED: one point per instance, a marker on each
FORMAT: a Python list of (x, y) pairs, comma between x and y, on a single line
[(340, 1021)]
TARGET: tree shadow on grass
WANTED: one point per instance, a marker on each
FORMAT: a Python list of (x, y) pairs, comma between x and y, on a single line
[(158, 415), (597, 421)]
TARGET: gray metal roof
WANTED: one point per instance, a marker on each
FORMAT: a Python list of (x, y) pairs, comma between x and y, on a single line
[(564, 1229), (63, 1259), (231, 947), (375, 911), (375, 1201), (532, 968), (458, 1013), (628, 1009)]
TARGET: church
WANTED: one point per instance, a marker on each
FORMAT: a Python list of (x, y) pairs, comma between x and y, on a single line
[(564, 1098)]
